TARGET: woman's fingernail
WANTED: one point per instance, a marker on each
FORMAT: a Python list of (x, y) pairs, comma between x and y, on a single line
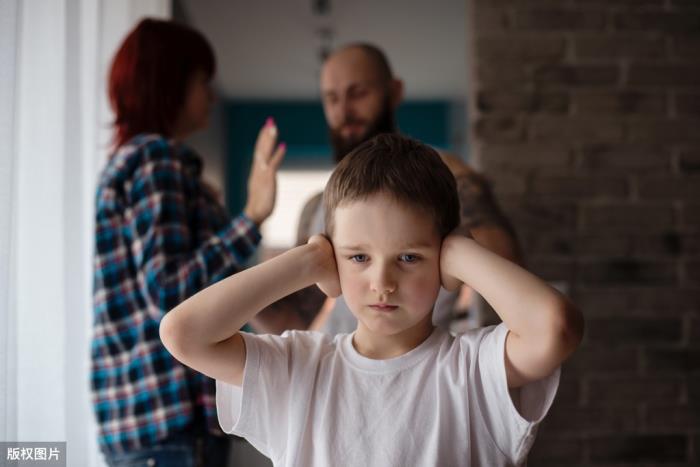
[(269, 122), (283, 145)]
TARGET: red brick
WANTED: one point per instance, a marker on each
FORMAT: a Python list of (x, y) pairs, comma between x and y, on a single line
[(628, 217), (602, 245), (690, 214), (604, 359), (580, 187), (671, 360), (629, 392), (553, 19), (616, 158), (520, 157), (667, 131), (666, 300), (622, 3), (691, 272), (609, 299), (549, 129), (507, 184), (500, 129), (502, 75), (540, 216), (663, 75), (675, 417), (690, 245), (667, 244), (593, 420), (668, 187), (689, 163), (490, 19), (637, 301), (694, 391), (531, 49), (502, 101), (687, 103), (552, 270), (617, 46), (678, 22), (628, 271), (509, 3), (630, 102), (549, 244), (618, 331), (694, 334), (569, 392), (686, 46), (639, 448), (548, 450), (685, 4), (580, 75)]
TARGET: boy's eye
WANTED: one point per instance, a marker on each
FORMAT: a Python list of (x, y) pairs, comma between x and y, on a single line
[(408, 258), (358, 258)]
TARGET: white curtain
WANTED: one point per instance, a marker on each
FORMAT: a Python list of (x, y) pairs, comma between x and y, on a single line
[(54, 128)]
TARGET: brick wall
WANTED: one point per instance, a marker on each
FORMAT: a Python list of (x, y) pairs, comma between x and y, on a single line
[(587, 120)]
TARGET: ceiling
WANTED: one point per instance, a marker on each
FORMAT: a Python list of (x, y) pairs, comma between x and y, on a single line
[(271, 48)]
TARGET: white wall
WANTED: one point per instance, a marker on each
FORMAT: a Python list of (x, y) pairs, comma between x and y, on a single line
[(269, 48), (54, 55)]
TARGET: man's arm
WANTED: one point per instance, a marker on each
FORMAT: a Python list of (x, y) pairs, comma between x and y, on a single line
[(484, 219), (202, 332), (545, 327), (481, 217)]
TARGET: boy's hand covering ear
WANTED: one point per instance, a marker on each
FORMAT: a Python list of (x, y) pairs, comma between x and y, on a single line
[(447, 278), (327, 270)]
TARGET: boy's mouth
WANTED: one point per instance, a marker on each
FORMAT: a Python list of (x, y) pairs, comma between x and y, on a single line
[(384, 307)]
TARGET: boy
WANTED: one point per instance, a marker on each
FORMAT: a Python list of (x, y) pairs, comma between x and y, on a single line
[(397, 391)]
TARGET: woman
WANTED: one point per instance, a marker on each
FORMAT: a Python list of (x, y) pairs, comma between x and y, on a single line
[(161, 236)]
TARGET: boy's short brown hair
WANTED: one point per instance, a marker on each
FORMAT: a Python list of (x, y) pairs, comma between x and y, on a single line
[(411, 172)]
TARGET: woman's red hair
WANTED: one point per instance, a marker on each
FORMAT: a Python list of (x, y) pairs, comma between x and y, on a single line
[(150, 74)]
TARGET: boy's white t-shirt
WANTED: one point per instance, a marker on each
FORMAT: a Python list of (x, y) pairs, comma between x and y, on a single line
[(309, 401)]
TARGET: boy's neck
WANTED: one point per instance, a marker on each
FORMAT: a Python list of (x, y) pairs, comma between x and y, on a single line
[(382, 347)]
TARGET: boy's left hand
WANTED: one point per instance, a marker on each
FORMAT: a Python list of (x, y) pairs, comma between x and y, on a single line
[(447, 255)]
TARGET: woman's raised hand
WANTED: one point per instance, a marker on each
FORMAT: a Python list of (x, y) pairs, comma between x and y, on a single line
[(262, 182)]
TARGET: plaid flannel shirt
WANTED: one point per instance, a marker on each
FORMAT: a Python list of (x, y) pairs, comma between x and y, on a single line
[(161, 236)]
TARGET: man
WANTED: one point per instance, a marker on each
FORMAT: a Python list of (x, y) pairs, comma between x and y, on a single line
[(360, 97)]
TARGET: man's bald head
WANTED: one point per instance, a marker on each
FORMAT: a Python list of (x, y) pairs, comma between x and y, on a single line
[(360, 95), (375, 58)]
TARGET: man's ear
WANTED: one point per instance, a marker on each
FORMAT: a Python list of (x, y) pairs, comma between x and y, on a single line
[(396, 92)]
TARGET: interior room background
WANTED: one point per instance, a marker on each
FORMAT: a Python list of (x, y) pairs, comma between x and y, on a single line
[(582, 113)]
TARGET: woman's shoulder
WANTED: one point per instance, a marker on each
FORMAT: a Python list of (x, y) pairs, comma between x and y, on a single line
[(143, 146), (138, 152)]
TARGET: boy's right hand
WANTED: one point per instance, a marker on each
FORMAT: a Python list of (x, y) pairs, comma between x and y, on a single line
[(326, 270)]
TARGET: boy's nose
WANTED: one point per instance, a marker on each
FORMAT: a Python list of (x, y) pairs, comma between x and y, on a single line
[(383, 283)]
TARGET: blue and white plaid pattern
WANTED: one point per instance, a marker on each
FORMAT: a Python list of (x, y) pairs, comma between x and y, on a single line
[(161, 236)]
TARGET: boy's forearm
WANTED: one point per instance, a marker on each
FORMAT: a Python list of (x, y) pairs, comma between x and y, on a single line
[(219, 311), (528, 306)]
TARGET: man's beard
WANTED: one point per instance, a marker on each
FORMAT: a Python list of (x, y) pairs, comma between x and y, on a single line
[(383, 124)]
